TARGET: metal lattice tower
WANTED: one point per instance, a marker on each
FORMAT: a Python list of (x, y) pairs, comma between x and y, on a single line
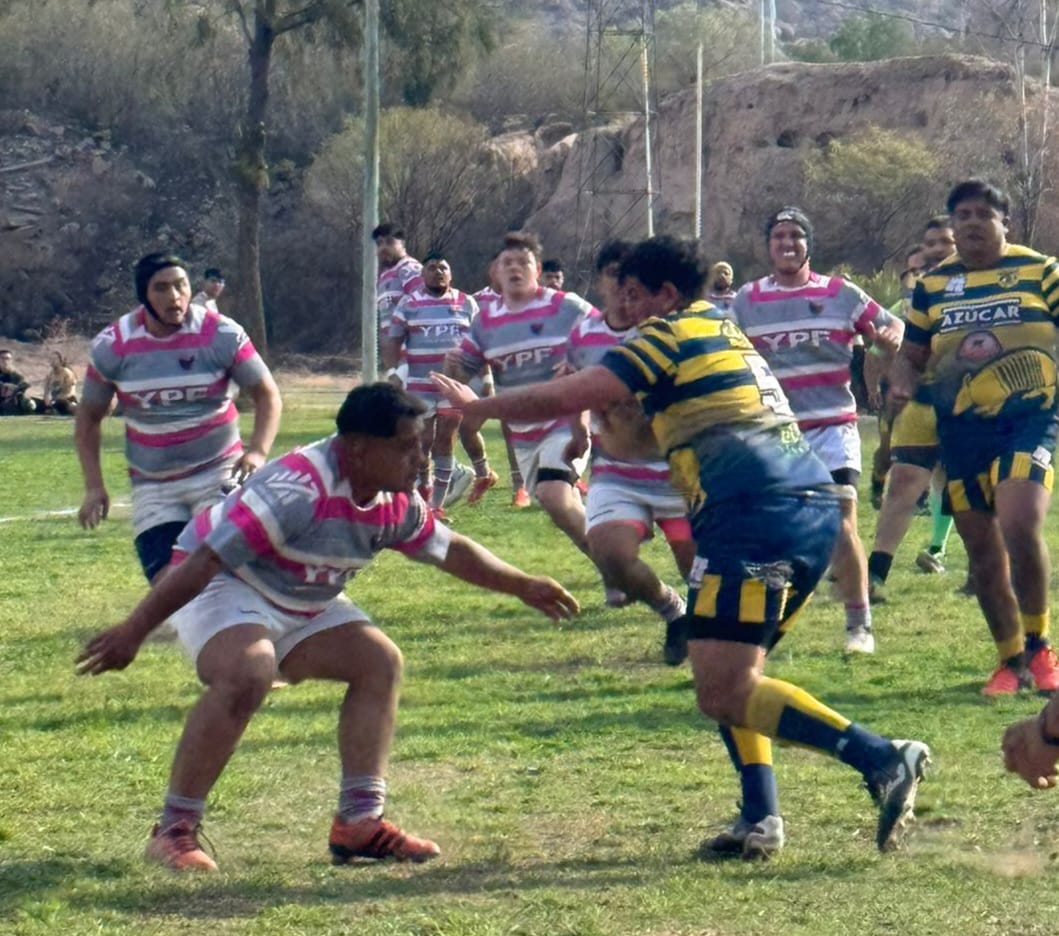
[(619, 62)]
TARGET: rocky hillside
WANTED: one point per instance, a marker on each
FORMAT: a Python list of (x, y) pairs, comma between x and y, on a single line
[(75, 211)]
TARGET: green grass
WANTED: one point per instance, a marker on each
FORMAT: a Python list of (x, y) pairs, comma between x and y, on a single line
[(564, 771)]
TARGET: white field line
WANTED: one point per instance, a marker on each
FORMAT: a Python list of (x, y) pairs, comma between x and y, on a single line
[(64, 512)]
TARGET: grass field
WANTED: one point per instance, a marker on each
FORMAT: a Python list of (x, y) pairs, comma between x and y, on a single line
[(564, 771)]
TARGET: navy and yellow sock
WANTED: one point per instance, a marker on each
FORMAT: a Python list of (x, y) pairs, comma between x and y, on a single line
[(751, 754), (787, 713)]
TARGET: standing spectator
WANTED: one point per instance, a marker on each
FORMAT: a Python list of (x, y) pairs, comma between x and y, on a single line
[(173, 367), (13, 387), (212, 287)]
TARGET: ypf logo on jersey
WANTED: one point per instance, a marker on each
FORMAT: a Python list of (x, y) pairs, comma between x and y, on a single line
[(956, 285), (1041, 457)]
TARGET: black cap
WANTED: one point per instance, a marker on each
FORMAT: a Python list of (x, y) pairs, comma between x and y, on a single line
[(794, 215), (213, 273), (146, 267)]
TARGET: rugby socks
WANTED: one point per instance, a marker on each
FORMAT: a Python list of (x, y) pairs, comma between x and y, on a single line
[(784, 712), (443, 466), (1010, 650), (751, 755), (361, 797), (879, 565), (481, 467), (181, 809), (940, 526), (858, 617), (670, 606), (1035, 627)]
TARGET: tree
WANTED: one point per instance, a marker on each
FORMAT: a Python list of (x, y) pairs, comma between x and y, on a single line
[(262, 23), (435, 171), (879, 182), (1024, 29), (872, 36)]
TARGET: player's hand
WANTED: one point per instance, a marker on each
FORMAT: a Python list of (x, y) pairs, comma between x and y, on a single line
[(112, 649), (1026, 754), (248, 463), (458, 394), (94, 508), (549, 597)]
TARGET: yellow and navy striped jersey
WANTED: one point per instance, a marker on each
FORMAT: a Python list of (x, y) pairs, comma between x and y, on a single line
[(991, 335), (717, 410)]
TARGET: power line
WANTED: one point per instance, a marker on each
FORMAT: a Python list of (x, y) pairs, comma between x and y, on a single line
[(907, 17)]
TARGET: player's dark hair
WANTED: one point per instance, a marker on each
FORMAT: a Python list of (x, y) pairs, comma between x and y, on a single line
[(937, 223), (612, 251), (993, 196), (552, 265), (434, 255), (376, 409), (146, 267), (213, 273), (522, 240), (387, 230), (664, 259)]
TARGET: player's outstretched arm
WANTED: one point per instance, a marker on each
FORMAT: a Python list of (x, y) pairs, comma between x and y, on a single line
[(473, 563), (116, 647)]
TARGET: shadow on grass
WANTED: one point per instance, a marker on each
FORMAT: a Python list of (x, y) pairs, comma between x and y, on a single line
[(218, 898)]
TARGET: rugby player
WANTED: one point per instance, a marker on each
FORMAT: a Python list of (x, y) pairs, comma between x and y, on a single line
[(258, 585), (915, 458), (765, 514), (522, 339), (629, 489), (804, 325), (173, 367), (982, 329), (424, 327)]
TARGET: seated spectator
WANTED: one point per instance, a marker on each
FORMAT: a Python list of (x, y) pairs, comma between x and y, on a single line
[(13, 387), (60, 387)]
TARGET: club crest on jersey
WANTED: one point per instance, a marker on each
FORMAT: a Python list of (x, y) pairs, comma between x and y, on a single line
[(1008, 279), (186, 362), (956, 285), (537, 327), (817, 308), (698, 570)]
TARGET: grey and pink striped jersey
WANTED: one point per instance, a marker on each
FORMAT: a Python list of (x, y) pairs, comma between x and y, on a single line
[(806, 335), (394, 283), (524, 347), (590, 339), (487, 297), (429, 327), (176, 393), (295, 535)]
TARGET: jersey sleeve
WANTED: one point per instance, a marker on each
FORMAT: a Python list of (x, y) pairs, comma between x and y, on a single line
[(641, 363), (399, 320), (100, 383), (469, 354), (238, 353), (1050, 287), (274, 506), (917, 325), (867, 314), (419, 536)]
